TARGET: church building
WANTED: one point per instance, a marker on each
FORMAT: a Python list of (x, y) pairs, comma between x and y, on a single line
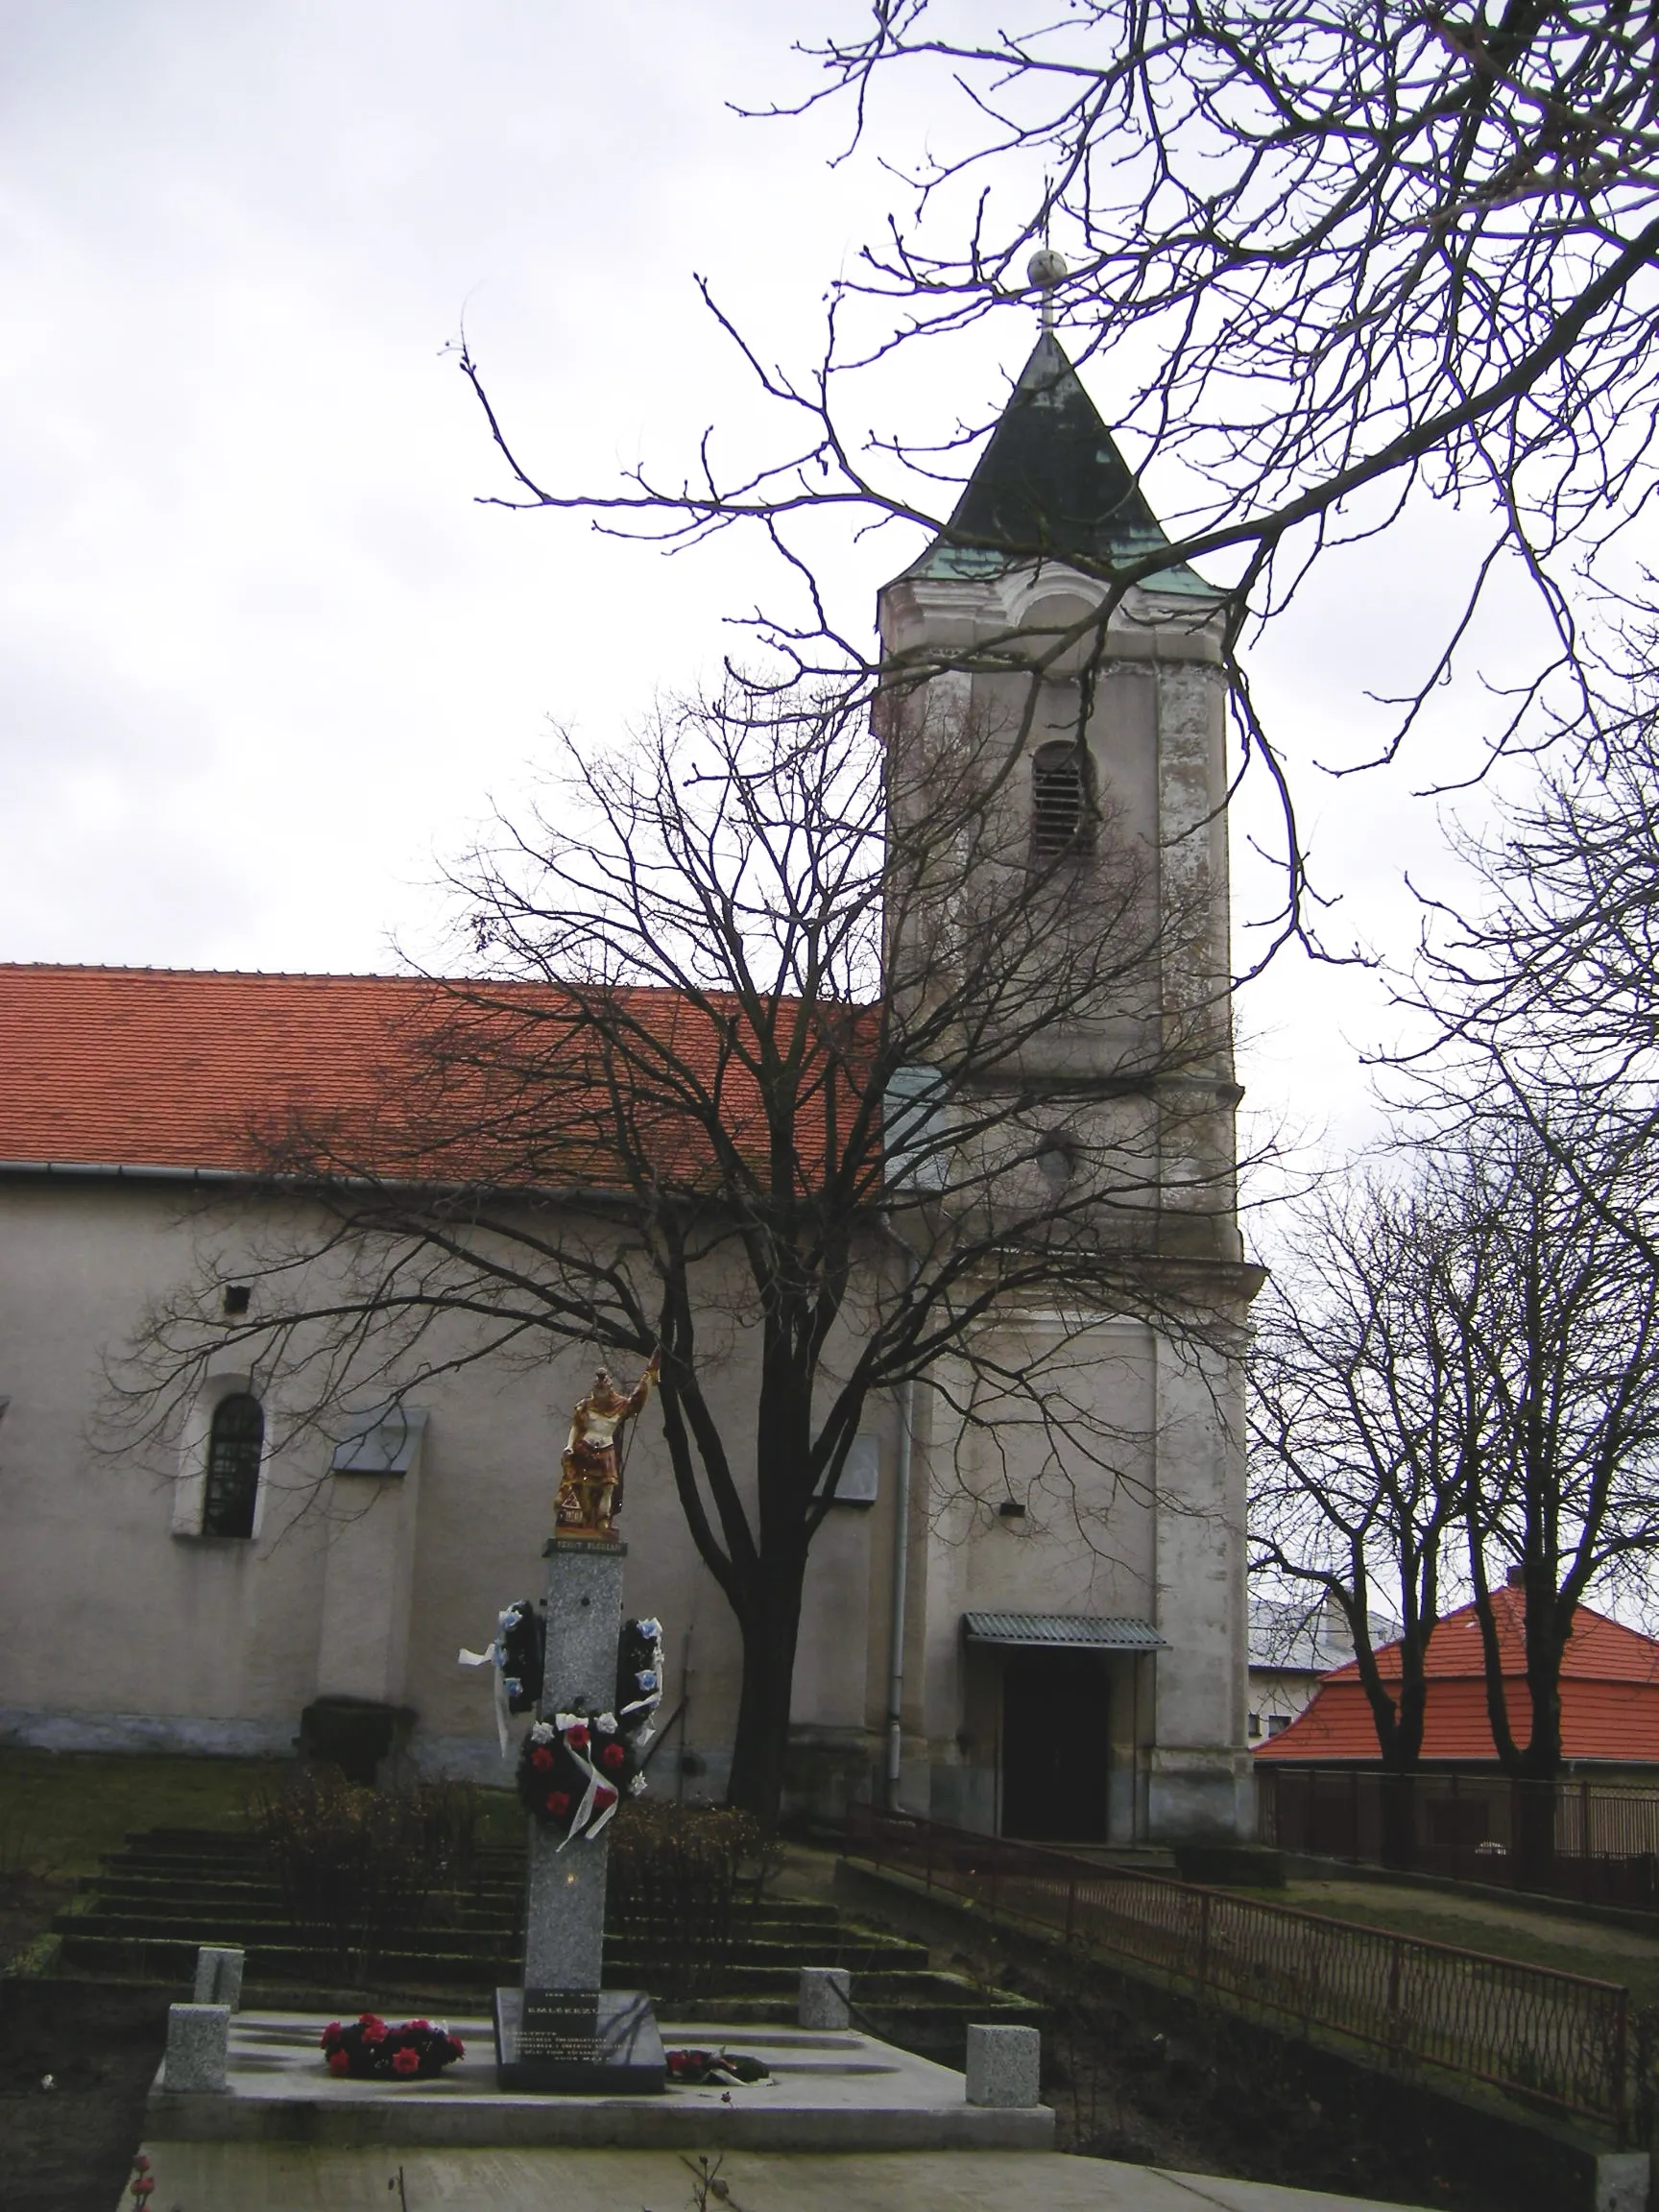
[(964, 1653)]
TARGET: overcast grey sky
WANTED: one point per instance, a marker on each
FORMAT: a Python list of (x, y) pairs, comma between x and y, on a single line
[(263, 662)]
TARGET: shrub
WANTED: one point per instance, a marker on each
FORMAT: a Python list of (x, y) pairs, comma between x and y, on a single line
[(358, 1867), (685, 1878)]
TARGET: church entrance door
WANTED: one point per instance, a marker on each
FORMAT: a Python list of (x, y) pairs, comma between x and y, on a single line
[(1055, 1747)]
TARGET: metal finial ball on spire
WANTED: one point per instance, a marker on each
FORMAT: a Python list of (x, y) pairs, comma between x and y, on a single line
[(1046, 269)]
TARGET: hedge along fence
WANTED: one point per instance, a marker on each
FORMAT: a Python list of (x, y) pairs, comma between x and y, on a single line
[(1559, 2040)]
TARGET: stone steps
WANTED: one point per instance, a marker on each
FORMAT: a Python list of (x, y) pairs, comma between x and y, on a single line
[(90, 1934), (262, 1899), (170, 1891), (240, 1918)]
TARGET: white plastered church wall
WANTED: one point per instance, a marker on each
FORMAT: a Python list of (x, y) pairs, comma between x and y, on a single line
[(358, 1585)]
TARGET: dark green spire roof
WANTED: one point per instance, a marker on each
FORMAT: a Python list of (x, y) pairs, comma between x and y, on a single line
[(1051, 485)]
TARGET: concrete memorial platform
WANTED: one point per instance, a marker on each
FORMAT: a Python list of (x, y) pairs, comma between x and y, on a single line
[(296, 2178), (826, 2091)]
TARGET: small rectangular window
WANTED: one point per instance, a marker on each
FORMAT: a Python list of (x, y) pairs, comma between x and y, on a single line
[(1255, 1723), (1277, 1723)]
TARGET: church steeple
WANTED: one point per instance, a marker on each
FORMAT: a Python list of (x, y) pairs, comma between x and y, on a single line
[(1051, 486)]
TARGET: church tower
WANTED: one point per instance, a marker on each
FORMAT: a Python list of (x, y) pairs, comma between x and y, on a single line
[(1075, 1639)]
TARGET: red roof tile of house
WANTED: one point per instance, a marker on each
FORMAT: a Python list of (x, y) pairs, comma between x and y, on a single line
[(1609, 1693), (188, 1070)]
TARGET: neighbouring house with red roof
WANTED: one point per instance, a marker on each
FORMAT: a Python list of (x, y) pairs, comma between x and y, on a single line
[(1609, 1698), (1320, 1778), (203, 1589)]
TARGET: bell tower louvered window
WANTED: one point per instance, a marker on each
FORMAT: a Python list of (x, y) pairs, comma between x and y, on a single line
[(1062, 801), (235, 1443)]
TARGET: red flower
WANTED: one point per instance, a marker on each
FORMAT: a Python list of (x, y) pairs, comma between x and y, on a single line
[(559, 1803), (339, 2063), (406, 2061), (603, 1796), (613, 1756), (577, 1737), (374, 2030), (541, 1757), (457, 2049), (420, 2026), (329, 2034)]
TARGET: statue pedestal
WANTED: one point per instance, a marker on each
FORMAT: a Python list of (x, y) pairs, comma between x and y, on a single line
[(561, 2030)]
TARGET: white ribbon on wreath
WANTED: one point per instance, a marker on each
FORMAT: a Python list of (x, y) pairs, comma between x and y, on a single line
[(564, 1723), (496, 1657)]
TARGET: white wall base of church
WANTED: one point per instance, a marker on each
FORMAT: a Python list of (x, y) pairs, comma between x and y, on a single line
[(963, 1797), (192, 1735), (1198, 1796)]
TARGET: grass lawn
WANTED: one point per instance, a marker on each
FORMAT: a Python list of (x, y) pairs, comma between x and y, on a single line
[(60, 1809), (1500, 1926)]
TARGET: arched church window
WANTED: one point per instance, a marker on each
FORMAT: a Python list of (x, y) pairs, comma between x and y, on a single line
[(1062, 800), (235, 1443)]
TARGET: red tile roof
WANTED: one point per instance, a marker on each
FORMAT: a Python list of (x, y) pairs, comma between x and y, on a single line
[(191, 1069), (138, 1066), (1609, 1693)]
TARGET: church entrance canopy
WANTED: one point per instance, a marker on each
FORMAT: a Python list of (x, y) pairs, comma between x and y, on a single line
[(1057, 1687), (1061, 1632)]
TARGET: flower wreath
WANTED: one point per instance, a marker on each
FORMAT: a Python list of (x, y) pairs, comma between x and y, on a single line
[(519, 1658), (368, 2049), (698, 2069), (575, 1770)]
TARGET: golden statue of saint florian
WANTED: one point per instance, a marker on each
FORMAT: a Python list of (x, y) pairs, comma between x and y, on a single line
[(591, 1477)]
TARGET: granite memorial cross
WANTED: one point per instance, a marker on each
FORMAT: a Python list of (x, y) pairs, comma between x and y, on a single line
[(562, 2030)]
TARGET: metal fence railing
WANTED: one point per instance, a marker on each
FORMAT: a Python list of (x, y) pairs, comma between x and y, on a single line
[(1595, 1842), (1556, 2039)]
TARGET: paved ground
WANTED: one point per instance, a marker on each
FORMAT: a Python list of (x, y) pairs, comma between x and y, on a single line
[(290, 2178)]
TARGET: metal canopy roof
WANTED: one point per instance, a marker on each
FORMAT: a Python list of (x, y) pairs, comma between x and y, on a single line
[(1069, 1632)]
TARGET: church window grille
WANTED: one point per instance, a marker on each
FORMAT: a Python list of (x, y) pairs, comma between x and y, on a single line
[(235, 1444), (1062, 801)]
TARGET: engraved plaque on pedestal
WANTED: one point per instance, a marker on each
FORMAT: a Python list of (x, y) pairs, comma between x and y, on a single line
[(559, 2024), (578, 2039)]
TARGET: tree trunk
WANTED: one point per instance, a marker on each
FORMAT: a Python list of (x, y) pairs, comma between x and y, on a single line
[(769, 1630), (1399, 1822)]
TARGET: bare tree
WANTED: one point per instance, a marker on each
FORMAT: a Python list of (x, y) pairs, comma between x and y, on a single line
[(1547, 979), (1364, 1419), (1342, 254), (757, 1052), (1565, 1332), (1475, 1361)]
